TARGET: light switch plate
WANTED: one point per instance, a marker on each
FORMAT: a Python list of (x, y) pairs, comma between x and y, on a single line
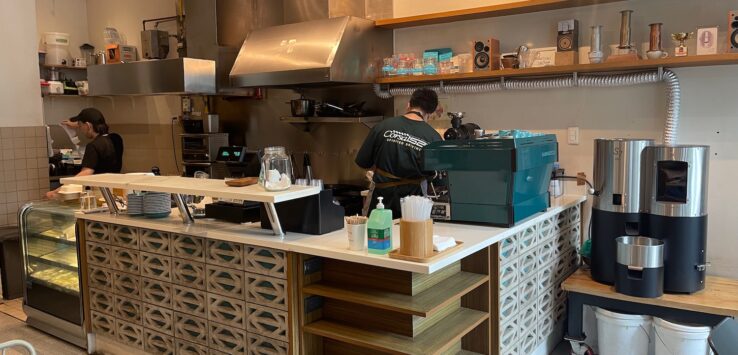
[(573, 135)]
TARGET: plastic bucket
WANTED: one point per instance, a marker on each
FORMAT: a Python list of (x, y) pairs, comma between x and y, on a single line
[(57, 48), (620, 334), (677, 339)]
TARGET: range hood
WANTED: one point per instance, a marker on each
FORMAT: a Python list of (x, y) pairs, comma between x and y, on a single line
[(340, 50), (153, 77)]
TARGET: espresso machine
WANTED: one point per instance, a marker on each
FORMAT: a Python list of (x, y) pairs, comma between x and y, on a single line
[(674, 206), (616, 209)]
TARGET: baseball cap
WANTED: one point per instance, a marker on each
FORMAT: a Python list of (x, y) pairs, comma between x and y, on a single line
[(90, 114)]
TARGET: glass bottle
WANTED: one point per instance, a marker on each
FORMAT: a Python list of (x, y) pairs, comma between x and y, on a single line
[(276, 169)]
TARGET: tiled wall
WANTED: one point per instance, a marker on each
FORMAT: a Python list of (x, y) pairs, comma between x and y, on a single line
[(25, 169)]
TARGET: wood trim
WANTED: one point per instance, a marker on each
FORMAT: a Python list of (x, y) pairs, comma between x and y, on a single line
[(82, 267), (671, 62), (720, 295), (478, 340), (515, 8)]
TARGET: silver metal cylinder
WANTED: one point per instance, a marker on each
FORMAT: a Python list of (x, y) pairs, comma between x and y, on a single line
[(675, 180), (625, 40), (596, 39), (617, 174), (640, 252)]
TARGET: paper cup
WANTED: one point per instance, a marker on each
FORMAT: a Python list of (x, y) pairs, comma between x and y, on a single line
[(357, 236)]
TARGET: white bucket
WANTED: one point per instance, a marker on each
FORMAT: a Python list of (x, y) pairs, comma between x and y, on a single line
[(620, 334), (677, 339), (57, 48)]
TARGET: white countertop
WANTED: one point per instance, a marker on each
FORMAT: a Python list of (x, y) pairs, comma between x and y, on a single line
[(191, 186), (335, 245)]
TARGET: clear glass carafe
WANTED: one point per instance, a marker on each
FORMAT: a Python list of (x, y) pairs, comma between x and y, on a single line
[(276, 169)]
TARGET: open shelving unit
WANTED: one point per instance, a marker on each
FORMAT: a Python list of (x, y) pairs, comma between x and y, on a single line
[(671, 62)]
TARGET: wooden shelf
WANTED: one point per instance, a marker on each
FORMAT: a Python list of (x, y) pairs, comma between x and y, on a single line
[(368, 121), (671, 62), (435, 340), (66, 96), (62, 67), (423, 304), (522, 7)]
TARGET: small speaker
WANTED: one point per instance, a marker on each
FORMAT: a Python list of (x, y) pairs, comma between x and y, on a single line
[(568, 36), (733, 31), (486, 54)]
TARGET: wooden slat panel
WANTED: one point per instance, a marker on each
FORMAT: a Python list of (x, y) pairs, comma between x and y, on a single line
[(671, 62), (514, 8), (361, 275), (422, 282), (433, 341), (423, 304)]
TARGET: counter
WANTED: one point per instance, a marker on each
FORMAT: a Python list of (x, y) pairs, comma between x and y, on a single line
[(211, 287)]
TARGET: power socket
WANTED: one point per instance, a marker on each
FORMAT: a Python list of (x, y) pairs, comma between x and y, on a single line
[(581, 178)]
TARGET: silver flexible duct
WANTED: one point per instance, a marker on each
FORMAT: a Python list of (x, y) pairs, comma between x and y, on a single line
[(673, 89)]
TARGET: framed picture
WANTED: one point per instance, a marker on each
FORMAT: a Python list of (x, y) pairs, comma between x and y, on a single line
[(707, 40), (542, 57)]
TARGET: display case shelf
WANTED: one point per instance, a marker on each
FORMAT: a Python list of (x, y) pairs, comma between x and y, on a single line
[(671, 62)]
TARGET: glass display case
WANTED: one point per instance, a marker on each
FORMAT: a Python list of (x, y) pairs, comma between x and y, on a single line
[(51, 298)]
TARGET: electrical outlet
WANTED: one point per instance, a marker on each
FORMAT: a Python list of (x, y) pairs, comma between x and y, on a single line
[(573, 135), (581, 178)]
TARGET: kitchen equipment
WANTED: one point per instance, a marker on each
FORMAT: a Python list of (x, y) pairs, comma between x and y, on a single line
[(120, 53), (315, 215), (498, 181), (154, 44), (51, 299), (302, 107), (56, 87), (616, 205), (327, 109), (654, 43), (674, 203), (55, 75), (57, 48), (88, 53), (307, 167), (79, 62), (596, 55), (348, 196), (101, 58), (209, 124), (276, 169), (240, 212), (458, 129), (236, 162), (509, 61), (625, 30), (83, 87), (202, 148), (639, 269)]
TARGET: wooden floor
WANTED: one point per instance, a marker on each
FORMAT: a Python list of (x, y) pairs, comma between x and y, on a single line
[(13, 308), (720, 295)]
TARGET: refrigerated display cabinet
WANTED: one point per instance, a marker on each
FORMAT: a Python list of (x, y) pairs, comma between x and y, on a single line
[(51, 297)]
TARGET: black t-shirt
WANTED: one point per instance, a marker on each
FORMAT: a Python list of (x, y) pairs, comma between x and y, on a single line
[(101, 156), (395, 146)]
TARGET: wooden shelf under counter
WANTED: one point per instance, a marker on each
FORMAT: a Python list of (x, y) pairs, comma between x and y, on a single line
[(671, 62), (514, 8)]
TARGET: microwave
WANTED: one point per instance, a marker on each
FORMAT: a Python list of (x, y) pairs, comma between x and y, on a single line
[(202, 148)]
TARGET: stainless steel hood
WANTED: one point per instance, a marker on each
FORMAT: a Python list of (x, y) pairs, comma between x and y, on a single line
[(339, 50), (153, 77)]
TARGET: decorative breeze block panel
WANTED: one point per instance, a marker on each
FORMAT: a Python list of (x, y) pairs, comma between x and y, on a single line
[(156, 292), (156, 266), (190, 301), (508, 249), (158, 318), (509, 306), (128, 309), (130, 334), (188, 273), (545, 303), (102, 301), (158, 343), (124, 236), (127, 285), (100, 278), (224, 253), (528, 291), (527, 239), (546, 252), (528, 318), (266, 291), (545, 278), (267, 322), (266, 261), (99, 254), (193, 329), (227, 339), (574, 215), (259, 345), (226, 311), (188, 247), (126, 260), (97, 232), (187, 348), (226, 282), (562, 219), (527, 264), (155, 242), (508, 277), (508, 336), (103, 324), (545, 325), (547, 229), (528, 342)]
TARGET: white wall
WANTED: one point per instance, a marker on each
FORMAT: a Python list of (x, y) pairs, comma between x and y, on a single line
[(708, 106), (67, 16), (20, 96), (403, 8)]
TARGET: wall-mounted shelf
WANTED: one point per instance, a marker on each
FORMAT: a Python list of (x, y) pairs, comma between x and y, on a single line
[(368, 121), (671, 62), (522, 7), (62, 67), (66, 96)]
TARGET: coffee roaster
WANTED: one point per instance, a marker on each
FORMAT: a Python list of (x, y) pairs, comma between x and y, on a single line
[(495, 180)]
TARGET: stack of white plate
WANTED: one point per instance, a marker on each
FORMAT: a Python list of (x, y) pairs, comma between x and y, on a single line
[(157, 204), (135, 204)]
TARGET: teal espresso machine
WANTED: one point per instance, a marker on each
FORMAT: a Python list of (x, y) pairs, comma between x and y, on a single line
[(496, 180)]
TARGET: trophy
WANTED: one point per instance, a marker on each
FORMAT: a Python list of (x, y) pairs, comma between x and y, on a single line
[(681, 37)]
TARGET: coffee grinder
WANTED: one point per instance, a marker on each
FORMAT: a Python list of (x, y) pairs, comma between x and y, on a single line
[(674, 206), (616, 205)]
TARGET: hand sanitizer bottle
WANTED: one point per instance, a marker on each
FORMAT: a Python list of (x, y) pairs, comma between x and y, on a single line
[(379, 230)]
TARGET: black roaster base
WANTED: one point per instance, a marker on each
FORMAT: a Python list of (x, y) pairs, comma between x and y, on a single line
[(606, 227), (648, 283)]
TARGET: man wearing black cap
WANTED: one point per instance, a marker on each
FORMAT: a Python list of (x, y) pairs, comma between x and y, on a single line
[(105, 151)]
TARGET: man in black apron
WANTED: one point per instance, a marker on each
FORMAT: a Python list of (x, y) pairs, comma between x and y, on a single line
[(393, 151)]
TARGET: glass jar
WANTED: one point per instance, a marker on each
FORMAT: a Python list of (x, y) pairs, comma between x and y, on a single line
[(276, 169)]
